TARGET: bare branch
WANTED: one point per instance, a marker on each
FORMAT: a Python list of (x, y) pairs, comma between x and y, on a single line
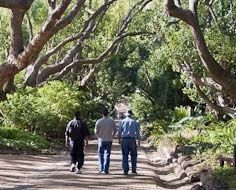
[(17, 41), (30, 27), (52, 5), (89, 27), (200, 81), (177, 11), (38, 42), (193, 4), (131, 14), (215, 70), (226, 110), (101, 57), (84, 81), (69, 18), (214, 16)]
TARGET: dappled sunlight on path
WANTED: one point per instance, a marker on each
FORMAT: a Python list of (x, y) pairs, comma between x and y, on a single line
[(52, 172)]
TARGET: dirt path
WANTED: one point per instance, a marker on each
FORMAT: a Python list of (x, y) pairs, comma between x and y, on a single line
[(50, 172)]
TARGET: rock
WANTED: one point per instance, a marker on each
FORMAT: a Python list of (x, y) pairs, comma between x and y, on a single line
[(190, 163), (179, 172), (182, 175), (174, 160), (184, 158), (195, 178), (197, 187), (168, 146), (169, 160)]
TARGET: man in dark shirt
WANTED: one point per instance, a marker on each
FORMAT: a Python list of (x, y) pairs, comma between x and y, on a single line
[(76, 135)]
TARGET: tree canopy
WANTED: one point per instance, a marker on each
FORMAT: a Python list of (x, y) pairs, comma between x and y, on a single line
[(85, 42)]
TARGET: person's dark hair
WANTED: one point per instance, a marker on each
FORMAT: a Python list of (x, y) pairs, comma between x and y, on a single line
[(105, 112), (130, 112), (77, 114)]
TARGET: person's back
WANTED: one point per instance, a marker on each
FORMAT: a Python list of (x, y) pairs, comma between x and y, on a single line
[(105, 128), (76, 130), (129, 128), (128, 133), (75, 135)]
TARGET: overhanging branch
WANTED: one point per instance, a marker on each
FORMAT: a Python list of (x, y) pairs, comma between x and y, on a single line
[(101, 57), (16, 4)]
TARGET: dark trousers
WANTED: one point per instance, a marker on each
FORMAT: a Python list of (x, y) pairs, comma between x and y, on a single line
[(128, 146), (77, 152)]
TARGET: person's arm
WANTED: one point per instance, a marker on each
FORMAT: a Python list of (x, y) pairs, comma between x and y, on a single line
[(96, 129), (114, 129), (86, 132), (67, 135), (119, 133), (66, 141), (138, 133), (86, 140)]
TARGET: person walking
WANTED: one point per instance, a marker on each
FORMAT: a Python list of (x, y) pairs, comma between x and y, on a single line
[(105, 130), (128, 134), (76, 136)]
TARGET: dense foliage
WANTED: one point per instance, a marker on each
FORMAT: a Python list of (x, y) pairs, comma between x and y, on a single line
[(44, 110), (14, 139)]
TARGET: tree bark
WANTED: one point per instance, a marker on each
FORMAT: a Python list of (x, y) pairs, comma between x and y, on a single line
[(18, 58), (16, 4)]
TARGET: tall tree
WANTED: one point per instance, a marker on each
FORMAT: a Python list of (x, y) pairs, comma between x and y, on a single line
[(35, 54), (222, 78)]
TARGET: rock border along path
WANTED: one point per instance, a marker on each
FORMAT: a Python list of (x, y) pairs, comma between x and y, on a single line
[(51, 172)]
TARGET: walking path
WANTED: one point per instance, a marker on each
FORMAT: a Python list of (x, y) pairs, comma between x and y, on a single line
[(51, 172)]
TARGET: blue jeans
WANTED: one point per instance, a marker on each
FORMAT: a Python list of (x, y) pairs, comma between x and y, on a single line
[(104, 151), (128, 146)]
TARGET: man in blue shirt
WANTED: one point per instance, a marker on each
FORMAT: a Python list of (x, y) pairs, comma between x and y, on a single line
[(128, 134)]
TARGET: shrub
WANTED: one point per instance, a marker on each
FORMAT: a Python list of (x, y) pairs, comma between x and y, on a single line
[(17, 139), (45, 110), (179, 113)]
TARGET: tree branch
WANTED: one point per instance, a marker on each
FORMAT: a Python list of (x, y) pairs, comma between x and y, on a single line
[(69, 18), (88, 28), (200, 81), (16, 4), (226, 110), (88, 76), (31, 33), (131, 14), (99, 58), (52, 5), (38, 42), (221, 76)]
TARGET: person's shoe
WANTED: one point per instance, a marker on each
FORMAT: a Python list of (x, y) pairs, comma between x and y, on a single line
[(72, 168), (134, 172), (125, 173), (78, 171), (106, 172), (101, 172)]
